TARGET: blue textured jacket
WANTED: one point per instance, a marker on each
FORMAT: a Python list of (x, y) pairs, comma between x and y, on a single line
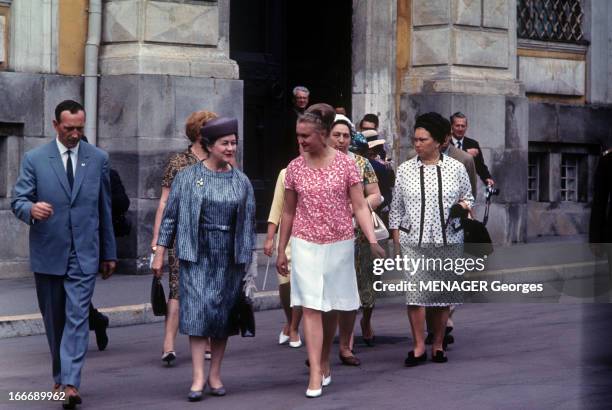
[(81, 216), (181, 218)]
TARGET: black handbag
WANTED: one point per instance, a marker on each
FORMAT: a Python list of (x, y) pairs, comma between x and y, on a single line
[(244, 316), (158, 297), (476, 239)]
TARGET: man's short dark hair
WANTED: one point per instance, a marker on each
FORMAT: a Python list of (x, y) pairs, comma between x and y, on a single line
[(67, 105), (373, 118), (458, 114)]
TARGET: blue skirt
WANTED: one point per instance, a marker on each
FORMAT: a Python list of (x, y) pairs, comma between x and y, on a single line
[(210, 288)]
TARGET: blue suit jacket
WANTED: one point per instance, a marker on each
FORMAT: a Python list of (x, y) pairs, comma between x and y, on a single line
[(81, 216), (181, 220)]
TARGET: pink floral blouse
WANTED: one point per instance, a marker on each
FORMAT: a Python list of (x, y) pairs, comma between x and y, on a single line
[(323, 214)]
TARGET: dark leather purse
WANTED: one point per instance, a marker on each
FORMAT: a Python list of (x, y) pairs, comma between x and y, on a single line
[(476, 239), (158, 297), (244, 316)]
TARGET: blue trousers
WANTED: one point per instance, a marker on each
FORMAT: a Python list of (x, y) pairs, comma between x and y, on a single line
[(64, 304)]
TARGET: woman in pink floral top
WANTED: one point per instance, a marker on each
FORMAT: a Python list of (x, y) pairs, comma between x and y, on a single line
[(320, 187)]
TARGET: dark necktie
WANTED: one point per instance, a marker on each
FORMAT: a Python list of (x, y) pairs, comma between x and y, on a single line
[(69, 171), (459, 144)]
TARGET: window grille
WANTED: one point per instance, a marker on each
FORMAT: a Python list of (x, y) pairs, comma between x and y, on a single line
[(551, 20), (569, 178), (533, 177)]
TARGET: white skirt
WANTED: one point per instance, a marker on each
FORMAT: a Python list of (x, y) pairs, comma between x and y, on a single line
[(323, 275)]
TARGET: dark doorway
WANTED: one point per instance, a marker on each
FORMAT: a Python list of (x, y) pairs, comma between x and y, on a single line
[(280, 44), (319, 50)]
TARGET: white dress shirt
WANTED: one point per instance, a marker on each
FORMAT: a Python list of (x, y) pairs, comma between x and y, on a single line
[(456, 141), (74, 156)]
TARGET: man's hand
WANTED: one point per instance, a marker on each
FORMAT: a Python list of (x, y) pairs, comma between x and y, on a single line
[(41, 211), (472, 151), (489, 181), (107, 268)]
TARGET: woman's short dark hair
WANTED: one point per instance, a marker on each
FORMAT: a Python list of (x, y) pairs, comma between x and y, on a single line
[(438, 126), (321, 114)]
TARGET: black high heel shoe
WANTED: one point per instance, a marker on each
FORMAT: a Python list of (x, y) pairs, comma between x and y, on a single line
[(219, 391), (413, 360), (439, 357), (169, 357), (194, 395)]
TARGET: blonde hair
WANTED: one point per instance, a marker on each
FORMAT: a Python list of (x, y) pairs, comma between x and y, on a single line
[(321, 114), (196, 121)]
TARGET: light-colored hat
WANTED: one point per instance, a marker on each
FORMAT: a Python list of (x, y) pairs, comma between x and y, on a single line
[(372, 138), (370, 135), (344, 118), (375, 143)]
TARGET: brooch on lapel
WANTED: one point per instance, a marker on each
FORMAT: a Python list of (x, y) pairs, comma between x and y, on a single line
[(200, 182)]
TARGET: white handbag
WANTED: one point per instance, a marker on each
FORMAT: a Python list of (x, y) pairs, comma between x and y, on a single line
[(380, 230)]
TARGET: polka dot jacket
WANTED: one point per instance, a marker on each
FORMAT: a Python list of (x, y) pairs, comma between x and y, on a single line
[(423, 225)]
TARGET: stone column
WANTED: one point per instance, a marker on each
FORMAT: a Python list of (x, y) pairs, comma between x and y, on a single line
[(160, 61), (464, 46), (463, 58), (373, 61)]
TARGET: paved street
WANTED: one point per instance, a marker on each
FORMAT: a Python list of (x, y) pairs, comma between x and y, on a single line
[(529, 356)]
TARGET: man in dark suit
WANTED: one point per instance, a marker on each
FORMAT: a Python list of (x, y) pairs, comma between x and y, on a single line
[(466, 159), (299, 102), (63, 193), (459, 127)]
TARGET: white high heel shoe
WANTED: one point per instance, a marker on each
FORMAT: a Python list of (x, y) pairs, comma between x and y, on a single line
[(283, 338), (296, 344), (313, 393), (326, 381)]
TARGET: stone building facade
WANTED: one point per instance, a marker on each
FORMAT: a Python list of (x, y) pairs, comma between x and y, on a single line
[(534, 78)]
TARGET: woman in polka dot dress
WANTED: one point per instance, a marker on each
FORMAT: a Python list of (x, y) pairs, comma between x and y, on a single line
[(427, 186), (320, 186)]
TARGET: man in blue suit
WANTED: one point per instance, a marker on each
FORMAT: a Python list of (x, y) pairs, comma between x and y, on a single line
[(63, 192)]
